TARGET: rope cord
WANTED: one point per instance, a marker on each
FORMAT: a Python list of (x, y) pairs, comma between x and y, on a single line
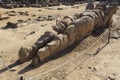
[(69, 60)]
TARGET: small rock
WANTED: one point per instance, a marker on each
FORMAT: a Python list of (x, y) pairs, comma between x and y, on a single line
[(33, 15), (39, 10), (29, 19), (12, 14), (94, 69), (110, 78), (60, 9), (2, 17), (20, 21), (10, 25), (41, 18), (89, 67), (31, 33), (50, 18), (80, 67), (43, 25), (113, 74), (24, 13), (114, 35)]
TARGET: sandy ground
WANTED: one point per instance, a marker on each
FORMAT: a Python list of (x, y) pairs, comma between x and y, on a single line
[(103, 66)]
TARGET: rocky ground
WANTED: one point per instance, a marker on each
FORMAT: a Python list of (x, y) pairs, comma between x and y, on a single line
[(32, 23)]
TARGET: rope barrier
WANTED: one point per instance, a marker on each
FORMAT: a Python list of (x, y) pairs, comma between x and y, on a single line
[(97, 51), (69, 60)]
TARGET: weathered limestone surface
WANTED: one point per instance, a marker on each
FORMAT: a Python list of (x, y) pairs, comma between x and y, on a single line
[(67, 31)]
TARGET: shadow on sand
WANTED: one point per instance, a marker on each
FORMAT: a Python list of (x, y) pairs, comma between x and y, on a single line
[(55, 56), (9, 66)]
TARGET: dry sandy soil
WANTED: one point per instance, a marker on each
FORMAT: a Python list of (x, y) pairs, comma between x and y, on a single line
[(102, 66)]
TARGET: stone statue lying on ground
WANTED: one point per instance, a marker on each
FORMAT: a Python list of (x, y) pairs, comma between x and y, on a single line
[(66, 32)]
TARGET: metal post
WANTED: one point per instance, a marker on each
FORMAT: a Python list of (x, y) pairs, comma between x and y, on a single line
[(109, 34)]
